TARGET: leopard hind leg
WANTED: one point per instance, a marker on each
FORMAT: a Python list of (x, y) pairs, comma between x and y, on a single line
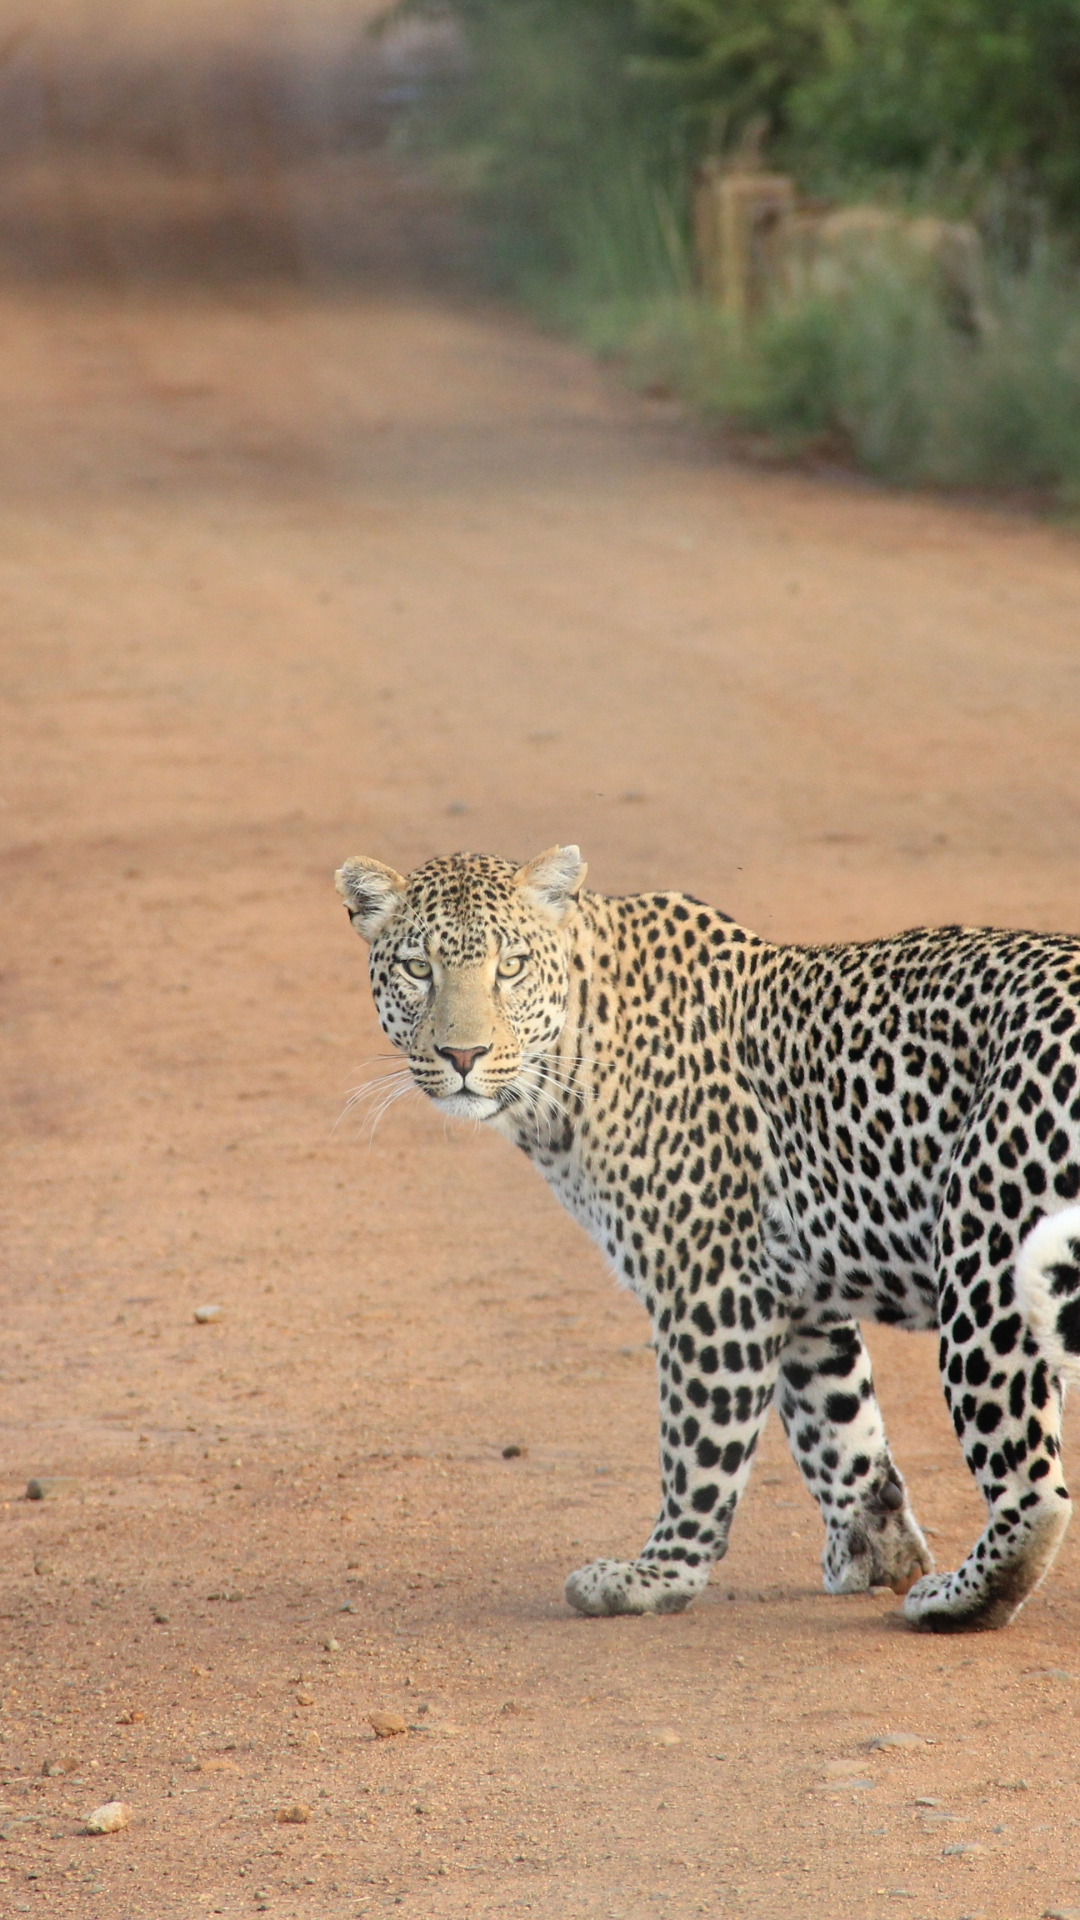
[(1008, 1343)]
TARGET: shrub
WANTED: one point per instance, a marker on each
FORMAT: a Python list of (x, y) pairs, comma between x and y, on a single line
[(880, 372)]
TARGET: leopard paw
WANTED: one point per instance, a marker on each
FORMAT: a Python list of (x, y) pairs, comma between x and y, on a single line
[(886, 1553), (634, 1586), (989, 1589), (942, 1604)]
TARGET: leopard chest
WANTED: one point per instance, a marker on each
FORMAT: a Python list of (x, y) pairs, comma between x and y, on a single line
[(663, 1171)]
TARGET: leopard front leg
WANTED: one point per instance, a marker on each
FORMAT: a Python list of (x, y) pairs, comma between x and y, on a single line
[(714, 1395), (836, 1434)]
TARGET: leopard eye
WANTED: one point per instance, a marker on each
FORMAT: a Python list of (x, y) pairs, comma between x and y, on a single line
[(417, 969), (513, 966)]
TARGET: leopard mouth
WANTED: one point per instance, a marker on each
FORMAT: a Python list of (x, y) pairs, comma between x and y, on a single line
[(464, 1101)]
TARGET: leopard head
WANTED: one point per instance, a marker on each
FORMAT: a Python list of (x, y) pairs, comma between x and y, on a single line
[(470, 968)]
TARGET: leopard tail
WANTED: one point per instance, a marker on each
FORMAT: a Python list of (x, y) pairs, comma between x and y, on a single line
[(1048, 1289)]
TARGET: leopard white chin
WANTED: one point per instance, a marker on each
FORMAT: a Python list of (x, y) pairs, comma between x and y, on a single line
[(466, 1105)]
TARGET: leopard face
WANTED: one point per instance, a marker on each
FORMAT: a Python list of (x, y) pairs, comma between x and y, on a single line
[(470, 970)]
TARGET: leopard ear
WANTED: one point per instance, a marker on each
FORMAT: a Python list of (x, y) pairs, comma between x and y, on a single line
[(552, 880), (370, 892)]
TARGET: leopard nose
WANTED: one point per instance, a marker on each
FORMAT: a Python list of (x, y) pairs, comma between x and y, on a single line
[(464, 1058)]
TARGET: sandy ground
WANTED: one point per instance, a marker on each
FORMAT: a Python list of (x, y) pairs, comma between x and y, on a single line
[(297, 563)]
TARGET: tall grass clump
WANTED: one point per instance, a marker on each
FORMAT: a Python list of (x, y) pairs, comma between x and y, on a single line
[(574, 170)]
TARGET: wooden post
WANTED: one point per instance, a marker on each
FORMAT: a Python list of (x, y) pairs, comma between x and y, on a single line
[(741, 225)]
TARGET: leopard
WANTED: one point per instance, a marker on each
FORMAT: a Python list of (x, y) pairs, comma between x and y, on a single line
[(774, 1145)]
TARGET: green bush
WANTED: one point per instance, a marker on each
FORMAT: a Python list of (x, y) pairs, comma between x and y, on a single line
[(881, 374)]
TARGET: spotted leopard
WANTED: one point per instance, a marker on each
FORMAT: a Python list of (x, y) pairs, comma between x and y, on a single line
[(771, 1144)]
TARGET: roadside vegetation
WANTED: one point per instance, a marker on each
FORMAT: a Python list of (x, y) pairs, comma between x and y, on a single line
[(576, 128)]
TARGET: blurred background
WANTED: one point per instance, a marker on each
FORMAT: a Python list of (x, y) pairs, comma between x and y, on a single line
[(601, 148), (144, 143)]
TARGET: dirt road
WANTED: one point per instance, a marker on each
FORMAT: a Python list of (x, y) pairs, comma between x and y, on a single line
[(300, 559)]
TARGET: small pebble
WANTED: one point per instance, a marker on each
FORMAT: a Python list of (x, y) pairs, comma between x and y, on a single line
[(46, 1486), (292, 1816), (963, 1846), (205, 1314), (108, 1819), (131, 1718), (386, 1725), (218, 1766), (1061, 1913), (332, 1645), (305, 1699), (43, 1566), (514, 1453), (895, 1740), (666, 1737)]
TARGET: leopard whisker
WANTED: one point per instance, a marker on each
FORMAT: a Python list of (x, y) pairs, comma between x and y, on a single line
[(400, 1093), (557, 1075), (552, 1091), (375, 1089), (372, 1088), (564, 1062), (541, 1095)]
